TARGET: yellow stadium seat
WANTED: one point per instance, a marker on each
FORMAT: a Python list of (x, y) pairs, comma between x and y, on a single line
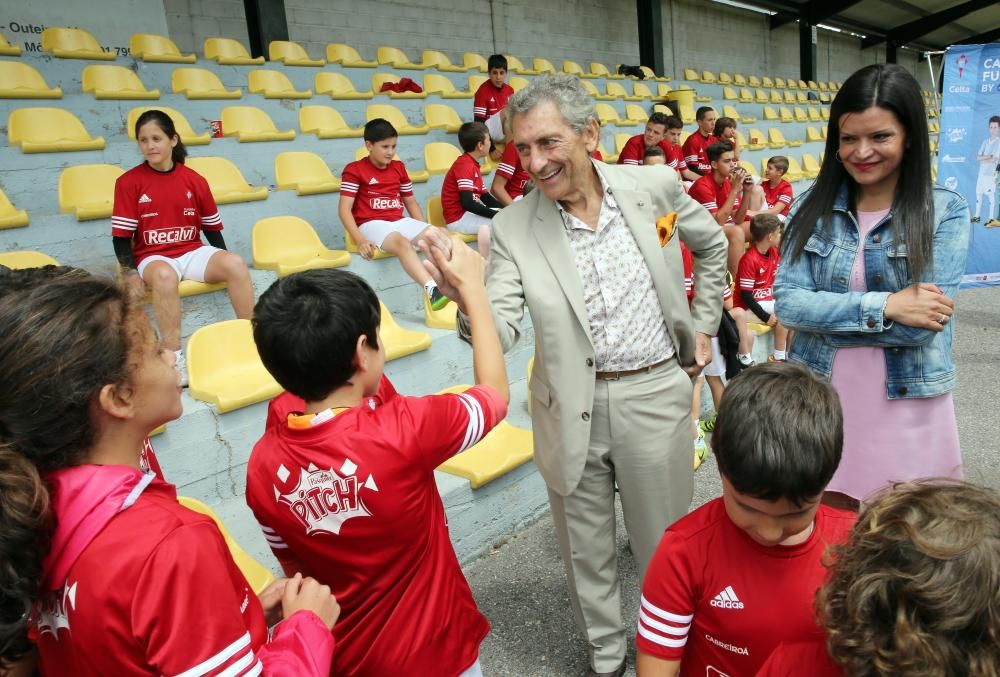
[(813, 134), (442, 116), (598, 69), (517, 84), (199, 83), (801, 97), (380, 79), (822, 86), (691, 75), (49, 130), (739, 80), (543, 66), (801, 115), (225, 180), (443, 87), (814, 114), (761, 96), (826, 113), (10, 217), (609, 158), (794, 172), (780, 83), (392, 56), (765, 81), (757, 328), (440, 319), (790, 97), (181, 124), (756, 139), (785, 114), (431, 58), (746, 96), (476, 81), (776, 96), (662, 90), (7, 49), (249, 124), (595, 93), (725, 78), (291, 54), (326, 123), (662, 108), (256, 574), (607, 114), (810, 166), (229, 52), (395, 118), (339, 86), (514, 65), (153, 48), (621, 139), (824, 97), (641, 92), (802, 84), (573, 68), (687, 113), (775, 139), (731, 112), (708, 77), (416, 175), (635, 114), (748, 166), (115, 82), (352, 246), (224, 367), (157, 430), (274, 85), (288, 244), (88, 191), (650, 75), (347, 56), (440, 156), (400, 342), (435, 217), (730, 94), (21, 81), (754, 81), (616, 91), (703, 99), (304, 172), (73, 43), (473, 61), (503, 449), (26, 259), (192, 288)]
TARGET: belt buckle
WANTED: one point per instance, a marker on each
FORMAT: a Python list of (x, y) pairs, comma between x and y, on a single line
[(617, 376)]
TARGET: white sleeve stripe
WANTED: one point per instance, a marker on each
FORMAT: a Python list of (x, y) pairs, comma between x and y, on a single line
[(277, 546), (266, 529), (465, 442), (255, 670), (663, 627), (406, 188), (219, 658), (665, 615), (474, 431), (785, 198), (662, 641), (124, 219), (630, 162), (238, 667)]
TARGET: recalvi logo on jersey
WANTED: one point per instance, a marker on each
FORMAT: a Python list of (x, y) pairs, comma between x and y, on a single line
[(170, 235), (386, 203)]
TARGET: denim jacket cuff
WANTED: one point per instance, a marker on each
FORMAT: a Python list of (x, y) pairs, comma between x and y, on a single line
[(873, 312)]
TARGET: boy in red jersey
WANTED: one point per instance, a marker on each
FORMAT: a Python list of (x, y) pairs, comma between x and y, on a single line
[(725, 193), (738, 576), (696, 145), (675, 156), (373, 192), (491, 97), (344, 487), (776, 193), (466, 205), (510, 178), (756, 277), (655, 134)]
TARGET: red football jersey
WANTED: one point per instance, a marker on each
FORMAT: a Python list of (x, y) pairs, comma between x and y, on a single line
[(793, 659), (378, 193), (286, 403), (688, 259), (720, 603), (163, 212), (781, 193), (349, 497), (510, 167), (710, 194), (756, 274), (634, 151), (148, 461), (463, 176), (675, 157), (489, 100), (696, 152)]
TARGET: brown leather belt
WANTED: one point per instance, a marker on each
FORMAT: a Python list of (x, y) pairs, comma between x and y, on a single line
[(615, 375)]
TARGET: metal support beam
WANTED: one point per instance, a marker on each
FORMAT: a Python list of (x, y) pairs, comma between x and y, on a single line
[(265, 22), (650, 18), (982, 38), (807, 51), (911, 31), (814, 12)]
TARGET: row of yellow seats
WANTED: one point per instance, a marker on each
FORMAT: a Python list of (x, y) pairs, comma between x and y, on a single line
[(723, 78), (745, 95), (797, 114)]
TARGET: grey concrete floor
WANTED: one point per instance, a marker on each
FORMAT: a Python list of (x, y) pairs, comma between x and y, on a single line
[(521, 586)]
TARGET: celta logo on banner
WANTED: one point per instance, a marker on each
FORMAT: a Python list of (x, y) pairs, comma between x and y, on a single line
[(957, 134)]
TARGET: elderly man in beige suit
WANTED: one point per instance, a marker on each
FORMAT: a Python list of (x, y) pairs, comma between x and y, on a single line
[(615, 342)]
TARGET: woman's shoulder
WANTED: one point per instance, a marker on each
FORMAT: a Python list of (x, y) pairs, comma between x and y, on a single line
[(948, 198)]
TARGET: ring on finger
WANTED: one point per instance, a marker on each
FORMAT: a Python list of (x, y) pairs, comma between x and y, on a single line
[(943, 320)]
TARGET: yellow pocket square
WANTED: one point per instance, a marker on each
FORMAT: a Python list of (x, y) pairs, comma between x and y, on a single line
[(665, 227)]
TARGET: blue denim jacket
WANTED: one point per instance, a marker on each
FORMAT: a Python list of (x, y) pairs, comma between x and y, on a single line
[(812, 297)]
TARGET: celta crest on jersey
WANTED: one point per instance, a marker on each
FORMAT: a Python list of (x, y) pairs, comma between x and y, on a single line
[(324, 499), (53, 613)]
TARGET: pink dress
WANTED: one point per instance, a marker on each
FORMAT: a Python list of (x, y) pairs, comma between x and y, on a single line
[(885, 440)]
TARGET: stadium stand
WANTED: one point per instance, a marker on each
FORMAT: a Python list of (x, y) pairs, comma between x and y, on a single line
[(157, 49), (73, 43), (199, 83), (304, 172), (49, 130), (88, 191), (288, 244), (229, 52), (115, 82), (291, 54), (21, 81)]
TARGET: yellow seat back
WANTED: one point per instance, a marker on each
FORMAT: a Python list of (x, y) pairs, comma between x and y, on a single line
[(223, 177), (198, 82), (439, 157), (725, 78), (517, 84), (707, 76), (11, 217), (389, 113), (442, 116), (318, 119), (7, 49), (691, 74), (158, 48), (298, 166), (639, 89), (73, 43), (615, 89), (598, 68), (114, 82), (475, 61), (288, 244), (246, 120), (224, 367), (810, 165), (543, 66), (621, 139), (20, 81), (438, 84), (226, 49), (334, 83), (395, 57), (635, 113), (263, 81), (730, 94), (398, 341), (432, 58), (46, 126), (26, 259), (291, 54), (572, 68), (88, 191), (590, 87)]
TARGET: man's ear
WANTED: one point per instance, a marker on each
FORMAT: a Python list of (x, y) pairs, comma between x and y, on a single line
[(116, 400), (592, 135)]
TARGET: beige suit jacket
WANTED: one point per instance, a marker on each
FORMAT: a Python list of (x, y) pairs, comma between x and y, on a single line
[(531, 263)]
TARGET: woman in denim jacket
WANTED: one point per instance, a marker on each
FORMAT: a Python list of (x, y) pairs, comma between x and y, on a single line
[(871, 263)]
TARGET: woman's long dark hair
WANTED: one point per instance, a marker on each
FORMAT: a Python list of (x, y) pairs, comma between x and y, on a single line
[(163, 121), (891, 87)]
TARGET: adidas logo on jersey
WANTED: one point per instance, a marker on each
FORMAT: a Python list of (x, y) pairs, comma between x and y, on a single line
[(144, 199), (372, 181), (727, 599)]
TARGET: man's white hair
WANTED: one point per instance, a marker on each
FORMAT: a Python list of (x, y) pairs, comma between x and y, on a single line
[(565, 91)]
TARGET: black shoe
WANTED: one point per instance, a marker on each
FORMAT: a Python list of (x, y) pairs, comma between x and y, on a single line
[(614, 673)]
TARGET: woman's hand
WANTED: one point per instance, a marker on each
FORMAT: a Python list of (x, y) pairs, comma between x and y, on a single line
[(921, 305)]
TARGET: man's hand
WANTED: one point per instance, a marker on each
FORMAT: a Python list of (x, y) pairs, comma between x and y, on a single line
[(702, 354)]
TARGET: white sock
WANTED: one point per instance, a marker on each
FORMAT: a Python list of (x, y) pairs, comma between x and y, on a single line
[(745, 358), (779, 354), (430, 287)]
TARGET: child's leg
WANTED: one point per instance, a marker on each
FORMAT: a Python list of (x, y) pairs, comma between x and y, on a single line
[(232, 269), (162, 279), (757, 202), (780, 341), (747, 337), (484, 242), (717, 388), (737, 245), (696, 405), (402, 248)]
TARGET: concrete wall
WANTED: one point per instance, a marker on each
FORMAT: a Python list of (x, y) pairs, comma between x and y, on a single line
[(191, 21)]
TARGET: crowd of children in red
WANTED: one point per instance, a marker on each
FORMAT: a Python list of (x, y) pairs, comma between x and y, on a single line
[(105, 573)]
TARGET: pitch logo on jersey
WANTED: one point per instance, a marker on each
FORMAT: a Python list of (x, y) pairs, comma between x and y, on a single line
[(54, 611), (727, 599), (169, 235), (143, 199), (324, 499)]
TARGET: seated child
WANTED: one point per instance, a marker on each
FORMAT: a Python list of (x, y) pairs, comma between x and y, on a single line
[(725, 192), (725, 130), (373, 192), (775, 196), (653, 156), (467, 207), (492, 96), (344, 487), (653, 136), (675, 156), (509, 179), (756, 278), (735, 578)]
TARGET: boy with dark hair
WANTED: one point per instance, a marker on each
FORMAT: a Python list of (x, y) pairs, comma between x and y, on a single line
[(775, 193), (755, 278), (654, 156), (737, 577), (675, 156), (492, 96), (344, 487), (373, 192), (466, 205), (653, 136), (725, 193), (696, 145)]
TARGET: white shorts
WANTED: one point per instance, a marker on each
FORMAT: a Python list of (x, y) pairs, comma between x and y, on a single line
[(717, 367), (767, 307), (494, 124), (986, 184), (377, 230), (190, 266), (474, 670), (469, 223)]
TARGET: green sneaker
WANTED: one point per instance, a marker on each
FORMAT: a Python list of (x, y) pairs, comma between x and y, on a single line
[(439, 300), (700, 450), (708, 425)]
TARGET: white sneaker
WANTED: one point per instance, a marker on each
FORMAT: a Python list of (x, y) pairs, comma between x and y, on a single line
[(180, 364)]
